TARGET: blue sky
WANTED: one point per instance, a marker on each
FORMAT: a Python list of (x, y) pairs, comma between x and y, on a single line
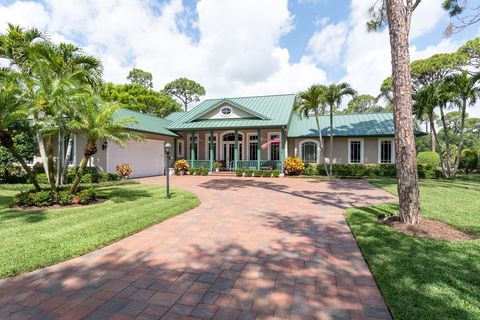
[(233, 48)]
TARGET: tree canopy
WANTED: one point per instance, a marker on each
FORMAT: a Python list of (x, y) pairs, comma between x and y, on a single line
[(140, 77), (185, 90), (141, 99), (362, 103)]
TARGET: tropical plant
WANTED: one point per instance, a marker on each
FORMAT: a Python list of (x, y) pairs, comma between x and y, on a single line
[(124, 170), (312, 103), (429, 158), (397, 14), (185, 90), (293, 166), (181, 166), (97, 122), (334, 94), (12, 110)]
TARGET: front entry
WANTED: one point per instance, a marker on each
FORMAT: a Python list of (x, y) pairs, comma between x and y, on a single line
[(228, 149)]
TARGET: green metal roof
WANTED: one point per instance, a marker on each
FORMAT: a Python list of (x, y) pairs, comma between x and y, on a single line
[(146, 122), (267, 111), (344, 125), (174, 116)]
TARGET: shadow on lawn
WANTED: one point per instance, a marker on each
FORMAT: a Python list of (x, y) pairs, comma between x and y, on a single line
[(420, 278)]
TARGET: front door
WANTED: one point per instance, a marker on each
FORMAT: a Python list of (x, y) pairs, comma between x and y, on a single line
[(229, 152)]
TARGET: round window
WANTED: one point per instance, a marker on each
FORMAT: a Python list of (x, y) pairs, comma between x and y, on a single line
[(226, 111)]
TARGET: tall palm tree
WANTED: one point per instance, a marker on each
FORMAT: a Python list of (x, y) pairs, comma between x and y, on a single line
[(96, 121), (12, 109), (334, 95), (312, 102), (426, 101), (466, 89)]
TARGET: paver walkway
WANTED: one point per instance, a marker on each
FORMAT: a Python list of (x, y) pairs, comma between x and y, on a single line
[(254, 249)]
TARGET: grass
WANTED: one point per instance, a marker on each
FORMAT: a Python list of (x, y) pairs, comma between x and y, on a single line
[(35, 239), (424, 278)]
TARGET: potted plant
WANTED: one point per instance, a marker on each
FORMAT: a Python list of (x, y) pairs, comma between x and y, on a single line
[(181, 167), (217, 165)]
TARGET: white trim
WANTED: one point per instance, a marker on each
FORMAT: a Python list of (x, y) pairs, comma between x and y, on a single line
[(207, 143), (241, 143), (379, 150), (269, 138), (362, 151), (181, 154), (248, 144), (300, 145)]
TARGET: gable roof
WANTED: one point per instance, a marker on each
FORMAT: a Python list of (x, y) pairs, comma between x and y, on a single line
[(226, 101), (272, 111), (146, 123), (344, 125), (174, 115)]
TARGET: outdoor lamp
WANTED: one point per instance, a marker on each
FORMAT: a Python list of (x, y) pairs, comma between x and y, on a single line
[(168, 147)]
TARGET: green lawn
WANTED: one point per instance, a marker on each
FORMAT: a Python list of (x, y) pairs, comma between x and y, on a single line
[(423, 278), (34, 239)]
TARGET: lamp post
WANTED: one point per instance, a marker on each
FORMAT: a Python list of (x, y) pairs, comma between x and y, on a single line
[(168, 147)]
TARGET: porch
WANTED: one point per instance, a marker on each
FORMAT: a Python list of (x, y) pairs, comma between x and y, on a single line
[(256, 149)]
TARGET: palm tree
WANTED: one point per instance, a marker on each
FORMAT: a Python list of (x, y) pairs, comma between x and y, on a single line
[(96, 121), (13, 109), (465, 88), (334, 95), (312, 102), (426, 100)]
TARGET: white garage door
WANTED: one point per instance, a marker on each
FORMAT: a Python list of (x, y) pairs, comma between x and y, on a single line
[(146, 158)]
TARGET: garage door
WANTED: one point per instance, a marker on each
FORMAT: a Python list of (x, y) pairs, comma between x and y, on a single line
[(146, 158)]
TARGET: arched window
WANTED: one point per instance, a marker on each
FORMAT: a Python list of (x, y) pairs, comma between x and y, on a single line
[(231, 137), (308, 151)]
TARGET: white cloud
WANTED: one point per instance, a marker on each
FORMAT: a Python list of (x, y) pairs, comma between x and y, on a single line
[(327, 44), (237, 53)]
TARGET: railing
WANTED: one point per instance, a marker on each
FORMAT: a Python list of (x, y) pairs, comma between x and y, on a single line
[(195, 164), (252, 164)]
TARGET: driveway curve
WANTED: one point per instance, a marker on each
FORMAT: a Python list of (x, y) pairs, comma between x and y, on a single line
[(260, 248)]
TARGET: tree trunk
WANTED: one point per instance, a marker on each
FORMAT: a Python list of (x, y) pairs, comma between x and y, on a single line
[(448, 171), (66, 161), (460, 145), (43, 153), (31, 176), (51, 164), (330, 161), (407, 175), (78, 176), (320, 139), (433, 134), (59, 159)]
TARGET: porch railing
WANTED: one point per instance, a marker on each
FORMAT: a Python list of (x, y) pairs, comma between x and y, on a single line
[(252, 164), (196, 164)]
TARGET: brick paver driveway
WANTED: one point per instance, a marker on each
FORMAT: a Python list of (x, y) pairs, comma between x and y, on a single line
[(255, 248)]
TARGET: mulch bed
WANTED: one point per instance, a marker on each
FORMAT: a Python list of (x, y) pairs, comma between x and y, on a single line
[(428, 229), (57, 206)]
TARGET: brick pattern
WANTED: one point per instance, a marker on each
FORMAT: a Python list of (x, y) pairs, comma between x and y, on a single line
[(254, 249)]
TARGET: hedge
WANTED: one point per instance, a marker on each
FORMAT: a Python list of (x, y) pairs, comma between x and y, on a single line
[(257, 173), (367, 170)]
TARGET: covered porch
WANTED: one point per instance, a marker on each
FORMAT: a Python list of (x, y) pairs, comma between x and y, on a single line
[(257, 149)]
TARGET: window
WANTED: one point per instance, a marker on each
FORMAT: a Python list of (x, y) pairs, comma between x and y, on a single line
[(226, 111), (386, 151), (308, 151), (231, 137), (274, 148), (180, 148), (355, 151), (252, 147)]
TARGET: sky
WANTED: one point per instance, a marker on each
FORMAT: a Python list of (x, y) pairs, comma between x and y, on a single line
[(236, 48)]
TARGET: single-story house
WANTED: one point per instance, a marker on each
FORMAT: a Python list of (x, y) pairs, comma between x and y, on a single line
[(253, 132)]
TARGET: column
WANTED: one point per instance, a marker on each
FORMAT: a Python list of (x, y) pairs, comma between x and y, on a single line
[(235, 150), (211, 151), (192, 148), (282, 146), (259, 145)]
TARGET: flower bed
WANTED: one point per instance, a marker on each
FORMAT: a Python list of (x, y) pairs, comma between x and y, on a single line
[(48, 198)]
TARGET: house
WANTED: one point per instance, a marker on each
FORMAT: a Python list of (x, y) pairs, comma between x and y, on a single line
[(247, 132)]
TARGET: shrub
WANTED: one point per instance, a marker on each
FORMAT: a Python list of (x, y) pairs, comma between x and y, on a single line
[(42, 198), (64, 198), (239, 172), (266, 173), (428, 171), (85, 196), (38, 168), (275, 173), (248, 172), (469, 160), (430, 158), (218, 165), (293, 166), (257, 173), (124, 170), (181, 167), (42, 178), (310, 170), (23, 199)]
